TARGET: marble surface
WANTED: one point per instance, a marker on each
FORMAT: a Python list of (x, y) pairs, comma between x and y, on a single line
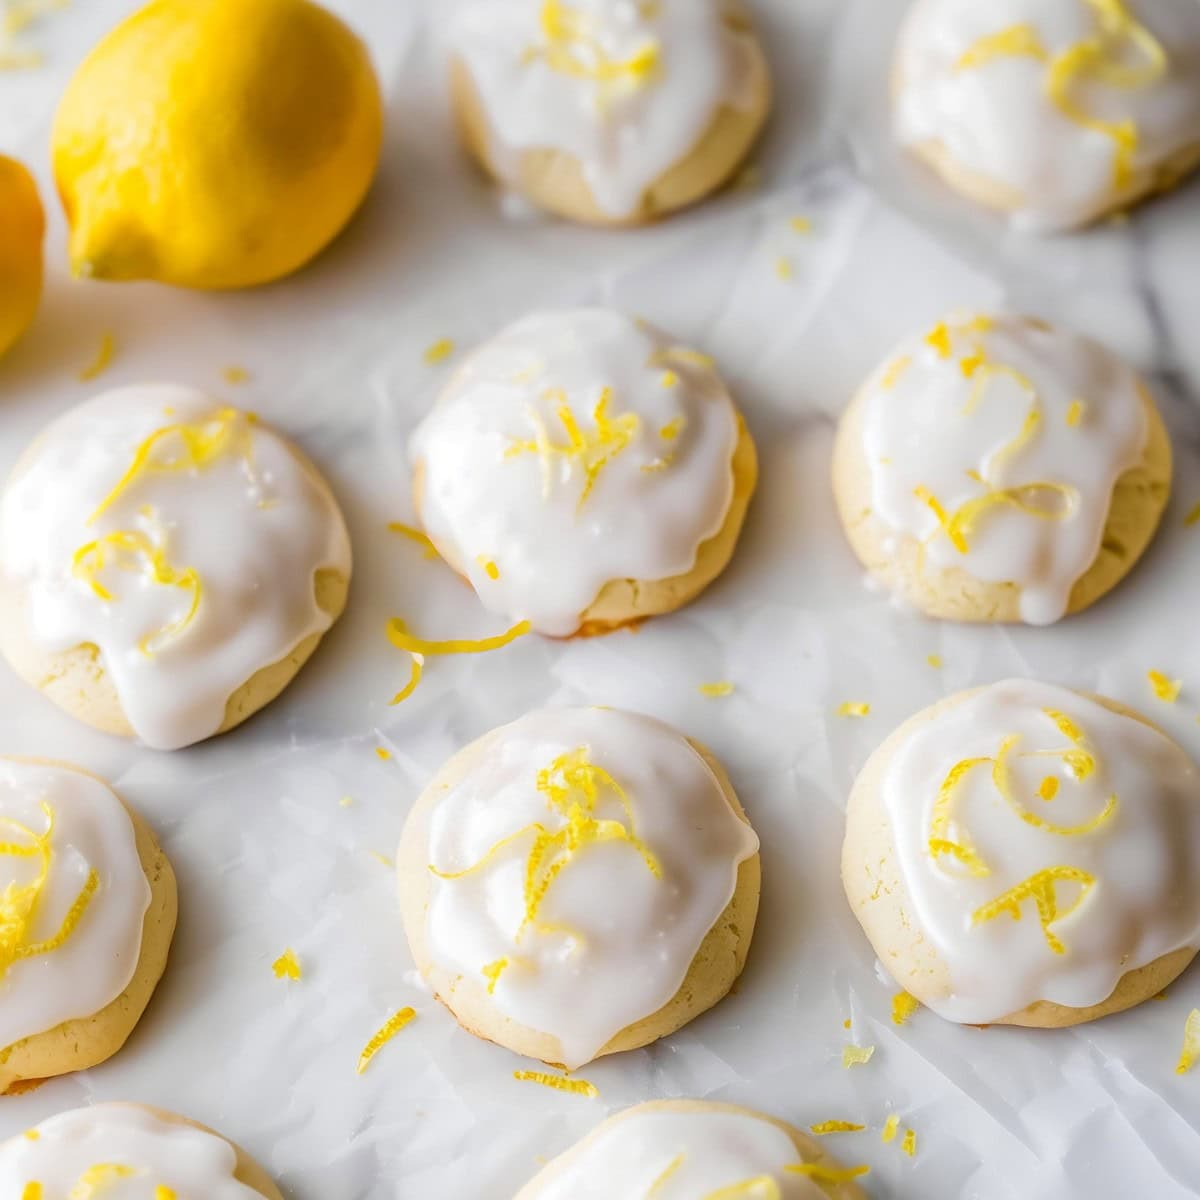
[(266, 855)]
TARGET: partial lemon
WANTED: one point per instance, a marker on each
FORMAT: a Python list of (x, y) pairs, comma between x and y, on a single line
[(216, 143), (22, 225)]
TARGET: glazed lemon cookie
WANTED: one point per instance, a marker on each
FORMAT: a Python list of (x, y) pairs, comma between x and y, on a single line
[(609, 113), (1026, 855), (694, 1150), (167, 564), (86, 922), (583, 471), (1052, 111), (130, 1153), (996, 469), (579, 882)]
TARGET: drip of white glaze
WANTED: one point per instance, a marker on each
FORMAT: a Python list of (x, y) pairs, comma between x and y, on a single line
[(91, 832), (1143, 856), (624, 936), (939, 416), (130, 1153), (489, 497), (997, 120), (255, 524), (627, 131)]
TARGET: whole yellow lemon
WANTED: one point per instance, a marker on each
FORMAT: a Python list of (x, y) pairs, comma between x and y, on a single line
[(22, 225), (216, 143)]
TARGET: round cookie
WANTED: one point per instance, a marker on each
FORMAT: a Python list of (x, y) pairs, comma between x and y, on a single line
[(996, 469), (1054, 112), (605, 113), (580, 882), (684, 1149), (90, 906), (1023, 854), (584, 471), (167, 564), (78, 1152)]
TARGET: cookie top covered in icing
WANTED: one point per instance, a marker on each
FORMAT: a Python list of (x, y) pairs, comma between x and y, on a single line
[(178, 535), (1048, 844), (688, 1150), (996, 442), (533, 826), (575, 448), (75, 897), (628, 89), (1068, 107), (124, 1152)]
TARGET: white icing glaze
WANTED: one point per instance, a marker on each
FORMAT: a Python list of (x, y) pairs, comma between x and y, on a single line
[(652, 504), (611, 963), (192, 1163), (714, 1150), (998, 120), (922, 431), (1144, 856), (91, 832), (255, 529), (625, 134)]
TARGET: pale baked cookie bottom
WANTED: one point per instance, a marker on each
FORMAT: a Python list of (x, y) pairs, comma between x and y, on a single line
[(875, 889), (555, 181), (78, 683), (625, 602), (1138, 501), (806, 1148), (714, 969), (85, 1042)]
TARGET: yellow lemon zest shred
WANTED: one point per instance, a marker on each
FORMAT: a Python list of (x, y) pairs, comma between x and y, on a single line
[(672, 429), (388, 1030), (32, 1191), (801, 225), (939, 338), (669, 379), (234, 374), (398, 635), (853, 708), (856, 1056), (439, 351), (941, 839), (1002, 779), (416, 668), (1190, 1054), (903, 1007), (287, 965), (592, 450), (573, 787), (1016, 41), (572, 49), (492, 972), (203, 442), (95, 1179), (1048, 788), (1165, 689), (971, 364), (890, 1128), (20, 903), (934, 660), (909, 1145), (383, 753), (102, 361), (825, 1127), (823, 1174), (1041, 889), (162, 1192), (489, 566), (1075, 411), (784, 268), (663, 1177), (120, 547), (717, 690), (414, 535), (577, 1087)]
